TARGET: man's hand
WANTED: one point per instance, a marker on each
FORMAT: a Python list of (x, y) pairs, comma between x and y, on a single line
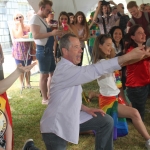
[(22, 69), (135, 55), (92, 111), (56, 32), (139, 53)]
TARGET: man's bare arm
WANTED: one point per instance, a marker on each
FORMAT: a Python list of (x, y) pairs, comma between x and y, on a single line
[(35, 29), (134, 56)]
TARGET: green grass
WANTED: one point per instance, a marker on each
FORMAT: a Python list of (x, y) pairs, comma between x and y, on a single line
[(27, 111)]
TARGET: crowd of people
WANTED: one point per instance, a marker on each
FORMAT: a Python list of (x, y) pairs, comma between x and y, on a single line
[(120, 63)]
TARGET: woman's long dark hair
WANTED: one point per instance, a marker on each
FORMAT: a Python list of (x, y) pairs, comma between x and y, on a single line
[(101, 12), (83, 23), (111, 32), (65, 14), (131, 32)]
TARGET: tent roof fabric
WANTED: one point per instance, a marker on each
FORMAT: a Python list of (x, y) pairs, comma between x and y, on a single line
[(68, 6)]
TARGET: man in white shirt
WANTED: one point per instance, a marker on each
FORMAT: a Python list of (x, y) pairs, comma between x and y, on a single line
[(65, 115), (44, 39)]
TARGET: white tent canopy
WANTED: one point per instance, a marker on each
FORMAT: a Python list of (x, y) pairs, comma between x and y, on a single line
[(68, 5), (77, 5)]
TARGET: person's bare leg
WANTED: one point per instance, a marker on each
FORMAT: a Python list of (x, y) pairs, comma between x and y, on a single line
[(129, 112), (48, 85), (43, 85), (28, 79), (21, 80)]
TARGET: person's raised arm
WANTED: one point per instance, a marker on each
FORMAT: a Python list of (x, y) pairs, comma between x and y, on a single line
[(133, 56), (18, 33), (91, 25), (35, 29), (112, 3), (7, 82), (97, 11)]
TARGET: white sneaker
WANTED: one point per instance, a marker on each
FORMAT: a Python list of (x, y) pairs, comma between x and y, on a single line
[(147, 144), (45, 102)]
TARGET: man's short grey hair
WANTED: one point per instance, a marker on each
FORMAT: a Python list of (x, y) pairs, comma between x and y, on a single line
[(65, 42)]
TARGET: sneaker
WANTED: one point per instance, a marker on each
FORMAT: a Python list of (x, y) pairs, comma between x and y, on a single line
[(29, 143), (147, 144), (45, 102)]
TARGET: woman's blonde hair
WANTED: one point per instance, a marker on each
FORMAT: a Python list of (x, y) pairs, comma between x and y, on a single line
[(17, 13), (97, 53)]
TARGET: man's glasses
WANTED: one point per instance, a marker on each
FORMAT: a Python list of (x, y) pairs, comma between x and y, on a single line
[(51, 12), (18, 17)]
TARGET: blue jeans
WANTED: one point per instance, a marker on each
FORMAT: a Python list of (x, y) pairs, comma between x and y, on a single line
[(90, 50), (103, 126), (46, 62), (23, 62), (138, 97)]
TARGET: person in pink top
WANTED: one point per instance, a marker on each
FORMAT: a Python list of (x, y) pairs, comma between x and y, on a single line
[(20, 49)]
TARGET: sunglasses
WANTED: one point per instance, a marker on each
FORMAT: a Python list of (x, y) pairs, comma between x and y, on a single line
[(18, 17), (51, 12)]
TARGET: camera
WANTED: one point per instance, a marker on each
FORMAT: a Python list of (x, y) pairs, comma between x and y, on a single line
[(104, 2)]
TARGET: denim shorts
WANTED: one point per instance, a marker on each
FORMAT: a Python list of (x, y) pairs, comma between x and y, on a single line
[(46, 62), (23, 62)]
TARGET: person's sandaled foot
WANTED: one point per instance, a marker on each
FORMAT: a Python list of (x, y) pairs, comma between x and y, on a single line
[(45, 102), (29, 86)]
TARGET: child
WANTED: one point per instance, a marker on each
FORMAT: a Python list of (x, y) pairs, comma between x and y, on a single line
[(110, 92)]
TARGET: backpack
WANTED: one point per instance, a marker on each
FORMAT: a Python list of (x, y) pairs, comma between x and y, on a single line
[(147, 18)]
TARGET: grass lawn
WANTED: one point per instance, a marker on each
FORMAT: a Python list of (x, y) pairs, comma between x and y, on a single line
[(27, 111)]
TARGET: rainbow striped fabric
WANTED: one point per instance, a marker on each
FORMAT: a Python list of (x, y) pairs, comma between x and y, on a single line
[(110, 105)]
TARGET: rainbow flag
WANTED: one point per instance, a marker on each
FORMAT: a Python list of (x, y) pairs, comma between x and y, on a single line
[(110, 106), (5, 107)]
